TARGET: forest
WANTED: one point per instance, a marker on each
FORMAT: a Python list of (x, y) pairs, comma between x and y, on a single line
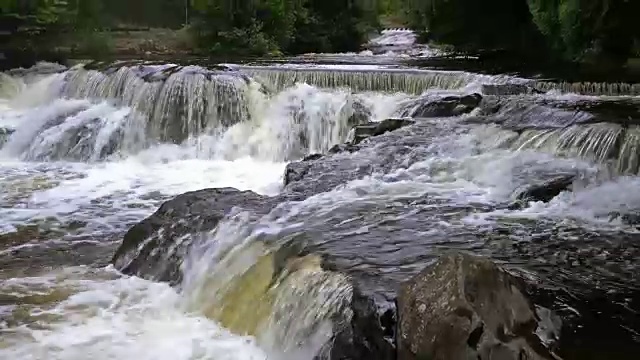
[(247, 27), (562, 30)]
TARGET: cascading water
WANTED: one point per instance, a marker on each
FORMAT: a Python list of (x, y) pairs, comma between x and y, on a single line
[(383, 80), (96, 151), (93, 152)]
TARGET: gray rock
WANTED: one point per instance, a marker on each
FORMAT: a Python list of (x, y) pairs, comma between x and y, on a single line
[(371, 332), (361, 132), (466, 307), (451, 105), (360, 114), (547, 190), (155, 247), (6, 131), (533, 112)]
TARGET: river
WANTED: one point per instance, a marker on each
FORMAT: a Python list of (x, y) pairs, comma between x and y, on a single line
[(89, 153)]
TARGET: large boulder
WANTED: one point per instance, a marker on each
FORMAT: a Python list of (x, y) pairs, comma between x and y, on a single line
[(155, 247), (466, 307), (535, 112)]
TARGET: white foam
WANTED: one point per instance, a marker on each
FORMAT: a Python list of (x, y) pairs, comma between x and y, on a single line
[(320, 116), (105, 316), (391, 37), (248, 156)]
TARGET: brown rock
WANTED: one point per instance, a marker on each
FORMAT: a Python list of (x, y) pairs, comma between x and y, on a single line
[(466, 307)]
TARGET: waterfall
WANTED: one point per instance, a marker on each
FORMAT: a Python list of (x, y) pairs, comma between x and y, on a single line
[(264, 289), (591, 88), (174, 102), (608, 144), (9, 86), (123, 110), (387, 80)]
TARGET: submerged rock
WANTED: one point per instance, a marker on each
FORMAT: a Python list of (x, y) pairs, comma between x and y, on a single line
[(155, 247), (547, 190), (361, 132), (466, 307)]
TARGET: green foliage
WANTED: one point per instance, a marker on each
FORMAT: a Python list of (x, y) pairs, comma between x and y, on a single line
[(582, 29), (292, 26), (94, 44), (575, 30), (238, 27), (579, 30), (474, 25)]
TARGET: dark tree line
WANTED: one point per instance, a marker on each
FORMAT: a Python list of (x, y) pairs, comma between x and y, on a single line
[(217, 26), (289, 26), (574, 30)]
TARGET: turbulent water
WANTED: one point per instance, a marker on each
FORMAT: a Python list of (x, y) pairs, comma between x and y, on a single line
[(86, 154)]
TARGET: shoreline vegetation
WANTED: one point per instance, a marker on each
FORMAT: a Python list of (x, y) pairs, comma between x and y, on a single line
[(594, 37)]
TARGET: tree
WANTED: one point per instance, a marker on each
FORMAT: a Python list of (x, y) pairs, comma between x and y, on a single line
[(587, 28)]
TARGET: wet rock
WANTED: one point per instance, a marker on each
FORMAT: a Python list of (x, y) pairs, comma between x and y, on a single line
[(155, 247), (5, 131), (466, 307), (547, 190), (361, 132), (338, 148), (296, 170), (360, 114), (631, 218), (529, 112), (40, 68), (4, 135), (443, 107), (371, 332)]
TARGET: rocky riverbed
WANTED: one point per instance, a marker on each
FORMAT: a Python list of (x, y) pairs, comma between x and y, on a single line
[(253, 216)]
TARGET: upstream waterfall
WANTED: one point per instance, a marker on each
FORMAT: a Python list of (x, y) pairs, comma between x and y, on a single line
[(88, 152)]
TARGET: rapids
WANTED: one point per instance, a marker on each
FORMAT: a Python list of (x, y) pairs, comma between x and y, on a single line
[(89, 152)]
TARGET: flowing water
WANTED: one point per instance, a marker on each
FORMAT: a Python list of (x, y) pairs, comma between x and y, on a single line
[(89, 153)]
